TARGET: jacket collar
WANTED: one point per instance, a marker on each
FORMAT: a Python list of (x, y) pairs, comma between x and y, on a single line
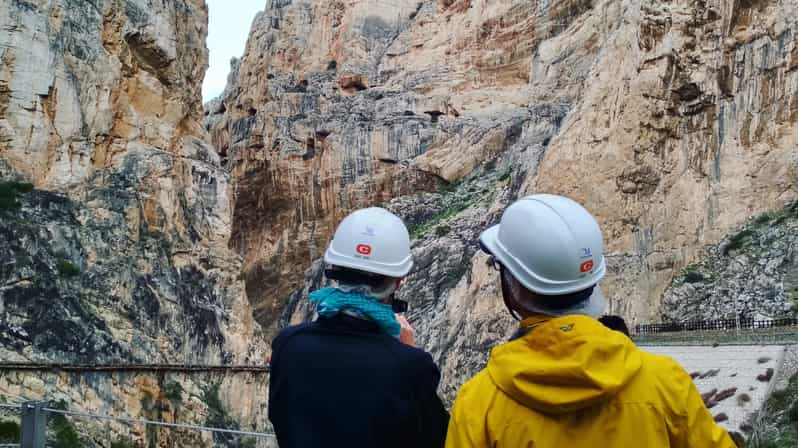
[(345, 322), (533, 321), (528, 325)]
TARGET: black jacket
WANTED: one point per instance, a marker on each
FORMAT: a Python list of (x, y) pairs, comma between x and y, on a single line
[(342, 382)]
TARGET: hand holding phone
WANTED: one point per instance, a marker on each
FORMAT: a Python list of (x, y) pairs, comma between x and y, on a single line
[(407, 334)]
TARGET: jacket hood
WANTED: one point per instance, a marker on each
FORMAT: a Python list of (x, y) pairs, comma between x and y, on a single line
[(564, 364)]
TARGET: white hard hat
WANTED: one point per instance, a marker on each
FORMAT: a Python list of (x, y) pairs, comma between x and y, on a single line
[(550, 244), (371, 240)]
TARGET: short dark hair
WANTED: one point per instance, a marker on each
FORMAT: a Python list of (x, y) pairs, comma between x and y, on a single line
[(354, 276), (551, 301), (615, 323), (562, 301)]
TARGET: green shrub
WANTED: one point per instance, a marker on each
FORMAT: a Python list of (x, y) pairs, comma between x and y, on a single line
[(218, 418), (9, 432), (738, 241), (14, 188), (442, 230), (10, 191), (456, 207), (780, 414), (60, 405), (693, 277), (173, 391), (65, 434), (67, 269), (123, 443), (211, 398), (447, 187), (152, 436), (762, 219), (217, 415), (7, 203)]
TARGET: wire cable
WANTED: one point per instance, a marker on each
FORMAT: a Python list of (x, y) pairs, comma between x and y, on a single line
[(184, 368), (157, 423)]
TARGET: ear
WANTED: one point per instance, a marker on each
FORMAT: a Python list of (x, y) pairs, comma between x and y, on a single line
[(509, 301)]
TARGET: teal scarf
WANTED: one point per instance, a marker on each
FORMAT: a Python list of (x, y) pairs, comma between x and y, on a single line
[(332, 301)]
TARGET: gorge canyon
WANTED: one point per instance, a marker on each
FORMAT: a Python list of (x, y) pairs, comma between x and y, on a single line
[(133, 228)]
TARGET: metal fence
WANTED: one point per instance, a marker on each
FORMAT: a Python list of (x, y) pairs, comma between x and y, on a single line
[(35, 415), (112, 368), (710, 325)]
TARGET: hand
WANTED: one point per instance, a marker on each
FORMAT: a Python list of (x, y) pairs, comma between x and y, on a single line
[(407, 335)]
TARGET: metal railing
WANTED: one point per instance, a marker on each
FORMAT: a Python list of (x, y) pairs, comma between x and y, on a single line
[(181, 368), (33, 428), (713, 325)]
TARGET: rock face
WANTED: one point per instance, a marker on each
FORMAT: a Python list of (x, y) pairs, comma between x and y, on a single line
[(671, 121), (752, 273), (115, 214), (683, 132), (337, 106), (216, 400)]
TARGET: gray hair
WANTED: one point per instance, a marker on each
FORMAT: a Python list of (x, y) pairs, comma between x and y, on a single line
[(380, 292)]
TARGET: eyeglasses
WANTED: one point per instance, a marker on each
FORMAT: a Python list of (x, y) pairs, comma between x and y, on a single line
[(492, 261)]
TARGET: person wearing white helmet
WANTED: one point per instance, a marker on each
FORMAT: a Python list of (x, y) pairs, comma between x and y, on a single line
[(564, 379), (353, 377)]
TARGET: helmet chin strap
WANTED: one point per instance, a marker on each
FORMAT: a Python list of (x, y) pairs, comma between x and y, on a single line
[(506, 295)]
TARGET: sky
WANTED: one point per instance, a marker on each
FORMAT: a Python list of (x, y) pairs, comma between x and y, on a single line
[(229, 22)]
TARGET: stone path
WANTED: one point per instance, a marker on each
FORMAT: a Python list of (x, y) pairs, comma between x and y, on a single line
[(740, 376)]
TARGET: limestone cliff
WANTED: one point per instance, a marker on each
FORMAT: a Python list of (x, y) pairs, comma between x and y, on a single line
[(752, 273), (115, 214), (673, 122)]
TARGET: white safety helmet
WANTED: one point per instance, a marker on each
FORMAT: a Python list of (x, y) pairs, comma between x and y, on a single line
[(552, 246), (371, 240)]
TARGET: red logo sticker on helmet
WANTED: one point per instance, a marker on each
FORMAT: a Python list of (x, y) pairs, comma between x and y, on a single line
[(586, 266), (363, 249)]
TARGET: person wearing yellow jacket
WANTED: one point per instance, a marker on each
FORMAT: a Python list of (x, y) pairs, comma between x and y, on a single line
[(565, 380)]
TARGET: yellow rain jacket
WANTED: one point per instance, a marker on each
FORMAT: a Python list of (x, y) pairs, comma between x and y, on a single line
[(570, 382)]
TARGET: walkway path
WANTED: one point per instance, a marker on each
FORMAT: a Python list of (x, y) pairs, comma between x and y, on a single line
[(740, 376)]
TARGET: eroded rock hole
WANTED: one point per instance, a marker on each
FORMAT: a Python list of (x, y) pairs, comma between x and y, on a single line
[(352, 84), (434, 115), (310, 149)]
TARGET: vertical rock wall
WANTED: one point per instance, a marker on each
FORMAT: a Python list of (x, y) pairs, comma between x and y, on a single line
[(672, 121), (115, 214)]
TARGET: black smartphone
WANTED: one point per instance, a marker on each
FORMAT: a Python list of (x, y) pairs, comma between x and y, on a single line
[(399, 306)]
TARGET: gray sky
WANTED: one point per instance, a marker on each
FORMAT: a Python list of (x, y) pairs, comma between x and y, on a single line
[(228, 28)]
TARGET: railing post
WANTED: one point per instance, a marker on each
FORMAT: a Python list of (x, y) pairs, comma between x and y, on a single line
[(34, 424)]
